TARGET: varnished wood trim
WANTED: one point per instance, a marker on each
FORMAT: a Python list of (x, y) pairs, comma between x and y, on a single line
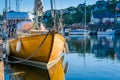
[(53, 36)]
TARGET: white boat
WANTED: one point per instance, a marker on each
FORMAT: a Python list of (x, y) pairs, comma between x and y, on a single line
[(79, 37), (107, 32), (78, 32), (83, 32)]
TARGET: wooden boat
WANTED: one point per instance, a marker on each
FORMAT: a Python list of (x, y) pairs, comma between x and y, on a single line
[(41, 49), (56, 72)]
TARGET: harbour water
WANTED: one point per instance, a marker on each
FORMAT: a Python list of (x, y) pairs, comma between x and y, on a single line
[(90, 58)]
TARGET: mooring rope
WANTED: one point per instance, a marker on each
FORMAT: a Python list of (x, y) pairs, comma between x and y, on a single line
[(20, 61)]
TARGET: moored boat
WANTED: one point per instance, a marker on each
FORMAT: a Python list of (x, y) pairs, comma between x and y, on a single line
[(39, 48), (78, 32), (107, 32)]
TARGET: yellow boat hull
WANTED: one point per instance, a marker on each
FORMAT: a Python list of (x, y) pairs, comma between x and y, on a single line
[(50, 49)]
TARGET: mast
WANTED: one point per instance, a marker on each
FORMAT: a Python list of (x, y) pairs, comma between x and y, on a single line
[(115, 17), (18, 5), (38, 9), (6, 5), (51, 1), (85, 15), (9, 5), (52, 13), (6, 9)]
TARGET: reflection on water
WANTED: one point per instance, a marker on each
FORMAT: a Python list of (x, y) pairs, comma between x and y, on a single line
[(90, 58), (100, 46), (79, 44), (23, 72), (94, 58)]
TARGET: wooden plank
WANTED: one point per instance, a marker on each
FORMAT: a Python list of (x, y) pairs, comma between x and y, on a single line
[(1, 70)]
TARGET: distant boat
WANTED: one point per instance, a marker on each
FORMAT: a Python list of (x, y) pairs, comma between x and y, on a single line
[(107, 32), (78, 32), (79, 37), (83, 32)]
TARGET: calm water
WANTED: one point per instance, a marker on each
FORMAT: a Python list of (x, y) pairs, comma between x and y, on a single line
[(90, 58)]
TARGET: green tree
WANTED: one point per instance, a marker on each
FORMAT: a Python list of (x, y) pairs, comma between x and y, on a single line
[(68, 19), (114, 1), (77, 18)]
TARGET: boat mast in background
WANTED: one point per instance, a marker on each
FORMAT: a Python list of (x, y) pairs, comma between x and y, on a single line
[(18, 5), (6, 5), (85, 15), (5, 10), (9, 5)]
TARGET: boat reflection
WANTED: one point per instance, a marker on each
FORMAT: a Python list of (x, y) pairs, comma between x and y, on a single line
[(100, 46), (79, 44), (103, 47), (23, 72), (79, 37)]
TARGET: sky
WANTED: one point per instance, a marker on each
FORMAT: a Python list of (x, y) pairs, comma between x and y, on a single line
[(28, 5)]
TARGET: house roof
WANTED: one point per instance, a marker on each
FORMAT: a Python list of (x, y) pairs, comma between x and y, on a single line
[(16, 15)]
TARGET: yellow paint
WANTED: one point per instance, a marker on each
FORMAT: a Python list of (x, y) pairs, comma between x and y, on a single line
[(56, 72), (2, 70), (31, 43)]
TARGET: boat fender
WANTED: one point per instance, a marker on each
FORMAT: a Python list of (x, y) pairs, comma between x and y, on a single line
[(7, 48), (66, 67), (3, 46), (66, 48), (18, 46)]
